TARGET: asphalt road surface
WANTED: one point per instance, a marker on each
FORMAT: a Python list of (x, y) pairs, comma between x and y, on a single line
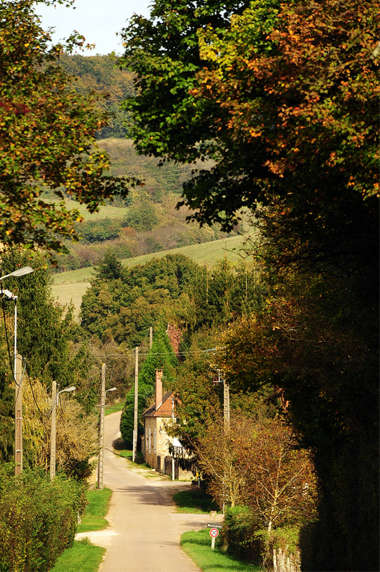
[(144, 530)]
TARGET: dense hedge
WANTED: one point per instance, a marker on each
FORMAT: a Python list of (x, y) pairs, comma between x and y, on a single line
[(243, 537), (38, 519), (239, 533)]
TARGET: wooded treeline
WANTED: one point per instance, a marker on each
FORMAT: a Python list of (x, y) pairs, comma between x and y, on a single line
[(277, 103)]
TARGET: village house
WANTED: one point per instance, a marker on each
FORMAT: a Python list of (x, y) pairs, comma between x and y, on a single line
[(157, 446)]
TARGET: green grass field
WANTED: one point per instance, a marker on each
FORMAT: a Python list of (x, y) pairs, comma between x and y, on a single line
[(198, 546), (107, 211), (70, 286)]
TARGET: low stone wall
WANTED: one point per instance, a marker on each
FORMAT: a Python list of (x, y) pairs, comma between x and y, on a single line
[(179, 473)]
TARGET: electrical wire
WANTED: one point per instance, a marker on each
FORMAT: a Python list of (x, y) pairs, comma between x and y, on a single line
[(164, 354)]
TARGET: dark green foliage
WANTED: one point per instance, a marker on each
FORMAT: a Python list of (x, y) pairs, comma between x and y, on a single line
[(238, 533), (110, 268), (170, 288), (161, 356), (141, 216), (100, 230), (200, 397), (6, 409), (38, 519), (163, 53), (291, 128), (49, 339), (44, 328), (126, 421), (125, 308), (194, 500)]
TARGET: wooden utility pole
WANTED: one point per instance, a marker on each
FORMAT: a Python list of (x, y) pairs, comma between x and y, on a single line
[(18, 415), (226, 405), (101, 429), (135, 416), (150, 337), (207, 285), (53, 429), (226, 400)]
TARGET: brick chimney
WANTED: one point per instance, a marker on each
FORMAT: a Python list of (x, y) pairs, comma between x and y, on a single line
[(158, 388)]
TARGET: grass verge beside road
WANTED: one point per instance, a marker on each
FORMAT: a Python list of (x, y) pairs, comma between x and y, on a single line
[(194, 501), (114, 408), (140, 464), (96, 509), (82, 556), (198, 546)]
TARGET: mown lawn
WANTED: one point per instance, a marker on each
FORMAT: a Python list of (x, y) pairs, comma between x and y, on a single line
[(194, 500), (96, 509), (81, 557), (198, 546)]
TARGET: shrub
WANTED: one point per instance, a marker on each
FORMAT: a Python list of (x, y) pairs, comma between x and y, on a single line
[(100, 230), (239, 533), (38, 519), (141, 216)]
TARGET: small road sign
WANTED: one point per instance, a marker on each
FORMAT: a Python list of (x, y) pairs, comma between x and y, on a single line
[(214, 532)]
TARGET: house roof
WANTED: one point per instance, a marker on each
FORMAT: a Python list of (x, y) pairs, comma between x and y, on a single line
[(164, 410)]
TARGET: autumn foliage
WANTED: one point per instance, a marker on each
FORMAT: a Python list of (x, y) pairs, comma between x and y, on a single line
[(47, 131), (257, 463)]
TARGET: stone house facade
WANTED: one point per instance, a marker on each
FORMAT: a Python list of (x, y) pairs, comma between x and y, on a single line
[(156, 442)]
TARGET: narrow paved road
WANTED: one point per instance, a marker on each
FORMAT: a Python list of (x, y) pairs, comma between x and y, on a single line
[(144, 528)]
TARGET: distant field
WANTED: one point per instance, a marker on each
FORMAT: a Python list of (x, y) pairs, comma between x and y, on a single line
[(70, 286), (66, 293), (108, 211)]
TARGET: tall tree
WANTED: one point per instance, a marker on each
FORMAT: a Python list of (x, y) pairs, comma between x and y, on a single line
[(283, 97), (47, 132)]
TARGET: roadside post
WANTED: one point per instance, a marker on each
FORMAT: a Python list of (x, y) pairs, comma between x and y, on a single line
[(214, 533)]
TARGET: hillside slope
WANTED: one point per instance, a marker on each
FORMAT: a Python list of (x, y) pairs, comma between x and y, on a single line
[(70, 286)]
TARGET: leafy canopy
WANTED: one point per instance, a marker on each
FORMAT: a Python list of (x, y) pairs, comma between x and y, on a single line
[(281, 96), (47, 131)]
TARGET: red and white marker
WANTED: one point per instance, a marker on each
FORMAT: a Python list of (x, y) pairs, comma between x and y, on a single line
[(213, 533)]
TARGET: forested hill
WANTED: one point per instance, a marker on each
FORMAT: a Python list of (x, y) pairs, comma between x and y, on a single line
[(102, 74), (147, 221)]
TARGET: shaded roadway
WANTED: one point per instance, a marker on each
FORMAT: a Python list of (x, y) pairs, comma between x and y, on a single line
[(144, 530)]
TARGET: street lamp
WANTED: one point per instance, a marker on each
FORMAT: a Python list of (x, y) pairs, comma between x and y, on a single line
[(19, 272), (53, 429), (16, 273), (18, 401)]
